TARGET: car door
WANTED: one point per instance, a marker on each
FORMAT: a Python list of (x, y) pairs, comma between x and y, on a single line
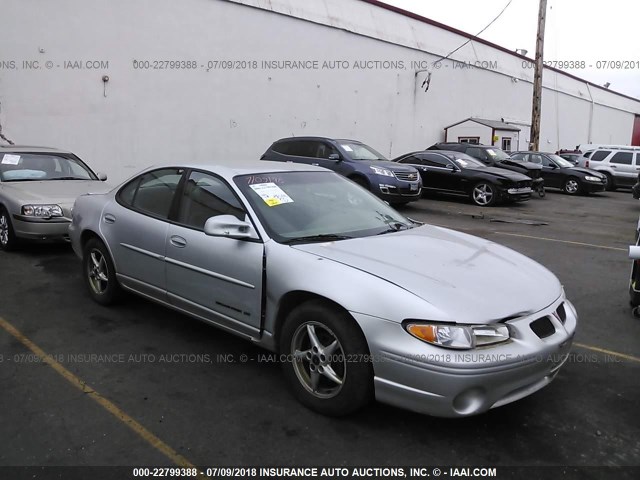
[(624, 168), (442, 173), (135, 227), (322, 151), (553, 175), (216, 278)]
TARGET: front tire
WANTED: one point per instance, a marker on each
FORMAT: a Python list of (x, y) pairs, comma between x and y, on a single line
[(484, 194), (328, 365), (571, 186), (8, 239), (99, 273), (610, 183)]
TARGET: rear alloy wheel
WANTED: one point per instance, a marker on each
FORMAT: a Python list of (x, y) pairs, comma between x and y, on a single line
[(327, 364), (8, 240), (99, 273), (484, 194), (571, 186), (609, 184)]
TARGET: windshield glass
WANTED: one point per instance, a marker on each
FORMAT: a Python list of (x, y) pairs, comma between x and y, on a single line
[(561, 161), (360, 151), (15, 167), (295, 205), (497, 154), (465, 161)]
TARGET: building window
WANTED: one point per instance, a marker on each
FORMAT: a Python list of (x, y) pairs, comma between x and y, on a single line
[(474, 140), (506, 144)]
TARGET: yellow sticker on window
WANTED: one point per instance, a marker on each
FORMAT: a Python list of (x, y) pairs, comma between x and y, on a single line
[(271, 193)]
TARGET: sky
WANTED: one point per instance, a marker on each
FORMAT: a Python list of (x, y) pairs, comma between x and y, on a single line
[(575, 30)]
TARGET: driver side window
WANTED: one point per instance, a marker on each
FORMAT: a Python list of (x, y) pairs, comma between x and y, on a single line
[(206, 196)]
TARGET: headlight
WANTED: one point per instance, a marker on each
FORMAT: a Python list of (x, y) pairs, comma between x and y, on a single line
[(459, 336), (381, 171), (43, 211), (590, 178)]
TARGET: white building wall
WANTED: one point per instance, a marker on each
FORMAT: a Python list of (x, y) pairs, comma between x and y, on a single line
[(152, 116)]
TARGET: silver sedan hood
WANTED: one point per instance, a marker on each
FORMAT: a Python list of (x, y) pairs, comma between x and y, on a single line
[(468, 279), (54, 191)]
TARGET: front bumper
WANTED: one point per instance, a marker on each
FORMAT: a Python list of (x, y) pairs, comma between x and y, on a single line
[(454, 383), (517, 194), (53, 229), (397, 192), (592, 187)]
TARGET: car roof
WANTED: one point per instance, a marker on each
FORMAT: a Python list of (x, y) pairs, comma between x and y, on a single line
[(30, 149), (289, 139), (251, 167)]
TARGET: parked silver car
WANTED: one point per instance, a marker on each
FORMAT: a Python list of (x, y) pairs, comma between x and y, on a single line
[(358, 300), (37, 189)]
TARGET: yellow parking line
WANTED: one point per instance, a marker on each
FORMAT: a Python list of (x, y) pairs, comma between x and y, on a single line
[(141, 431), (563, 241), (608, 352)]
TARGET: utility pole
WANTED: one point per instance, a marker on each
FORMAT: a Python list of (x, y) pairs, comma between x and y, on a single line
[(534, 143)]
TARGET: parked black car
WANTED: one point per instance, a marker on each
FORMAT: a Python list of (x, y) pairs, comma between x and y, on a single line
[(397, 184), (457, 173), (494, 157), (560, 173)]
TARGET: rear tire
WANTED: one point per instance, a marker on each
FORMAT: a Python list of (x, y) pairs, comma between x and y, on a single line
[(572, 186), (99, 273), (8, 239), (328, 365)]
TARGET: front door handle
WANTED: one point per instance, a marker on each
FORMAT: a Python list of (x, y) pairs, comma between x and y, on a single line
[(613, 166), (177, 241), (108, 218)]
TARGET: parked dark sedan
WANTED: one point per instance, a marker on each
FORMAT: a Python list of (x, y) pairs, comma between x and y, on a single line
[(397, 184), (494, 157), (457, 173), (560, 173)]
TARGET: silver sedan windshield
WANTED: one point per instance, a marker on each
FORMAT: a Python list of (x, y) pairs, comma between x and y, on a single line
[(316, 206), (20, 167)]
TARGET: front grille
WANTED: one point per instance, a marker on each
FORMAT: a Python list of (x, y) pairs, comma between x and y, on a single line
[(523, 184), (406, 176), (543, 327)]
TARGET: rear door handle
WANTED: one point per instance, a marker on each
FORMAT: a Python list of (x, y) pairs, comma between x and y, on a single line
[(108, 218), (177, 241), (613, 166)]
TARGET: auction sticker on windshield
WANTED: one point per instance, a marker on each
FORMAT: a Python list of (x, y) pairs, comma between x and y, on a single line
[(9, 159), (271, 194)]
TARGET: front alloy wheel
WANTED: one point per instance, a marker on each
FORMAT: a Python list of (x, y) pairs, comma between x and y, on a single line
[(326, 359), (318, 359), (484, 194), (8, 238), (99, 273), (571, 186)]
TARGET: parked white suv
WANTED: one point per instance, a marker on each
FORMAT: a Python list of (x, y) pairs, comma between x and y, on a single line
[(620, 165)]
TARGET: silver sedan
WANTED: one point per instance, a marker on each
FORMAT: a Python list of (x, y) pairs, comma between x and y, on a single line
[(37, 189), (359, 301)]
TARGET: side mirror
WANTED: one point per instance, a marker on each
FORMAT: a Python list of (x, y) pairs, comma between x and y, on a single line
[(453, 168), (335, 156), (228, 226), (102, 176)]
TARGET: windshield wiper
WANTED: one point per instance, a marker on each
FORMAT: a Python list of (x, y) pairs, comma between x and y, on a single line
[(321, 237), (395, 227), (68, 178)]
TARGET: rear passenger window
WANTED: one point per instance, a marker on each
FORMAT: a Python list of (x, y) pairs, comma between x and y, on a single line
[(282, 147), (303, 148), (623, 158), (599, 155), (152, 192)]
